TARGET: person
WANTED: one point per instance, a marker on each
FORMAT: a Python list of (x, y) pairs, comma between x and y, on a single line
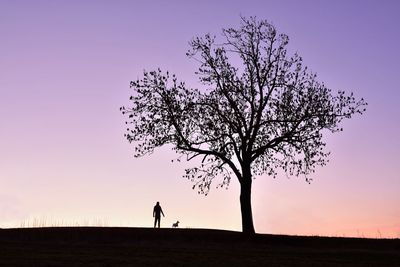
[(157, 211)]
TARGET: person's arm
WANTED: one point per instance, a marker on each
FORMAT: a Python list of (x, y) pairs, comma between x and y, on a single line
[(162, 212), (154, 211)]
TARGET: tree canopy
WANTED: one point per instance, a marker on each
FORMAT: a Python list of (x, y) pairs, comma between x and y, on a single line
[(259, 110)]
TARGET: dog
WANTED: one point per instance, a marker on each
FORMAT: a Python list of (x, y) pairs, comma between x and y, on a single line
[(175, 225)]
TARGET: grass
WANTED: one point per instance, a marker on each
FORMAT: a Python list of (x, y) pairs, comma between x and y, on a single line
[(109, 246)]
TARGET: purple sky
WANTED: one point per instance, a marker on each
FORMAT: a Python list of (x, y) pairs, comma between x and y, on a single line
[(65, 68)]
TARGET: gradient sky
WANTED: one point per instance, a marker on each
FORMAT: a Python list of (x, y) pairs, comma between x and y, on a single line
[(65, 68)]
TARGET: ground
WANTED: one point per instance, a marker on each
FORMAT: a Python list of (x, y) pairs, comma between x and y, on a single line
[(108, 246)]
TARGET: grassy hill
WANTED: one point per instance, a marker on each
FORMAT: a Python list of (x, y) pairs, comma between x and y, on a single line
[(108, 246)]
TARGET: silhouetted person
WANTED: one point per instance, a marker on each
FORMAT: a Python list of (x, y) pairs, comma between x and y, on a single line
[(157, 211)]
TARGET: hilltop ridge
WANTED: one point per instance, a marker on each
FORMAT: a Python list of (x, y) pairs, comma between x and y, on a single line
[(119, 246)]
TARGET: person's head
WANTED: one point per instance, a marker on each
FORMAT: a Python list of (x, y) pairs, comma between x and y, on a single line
[(158, 203)]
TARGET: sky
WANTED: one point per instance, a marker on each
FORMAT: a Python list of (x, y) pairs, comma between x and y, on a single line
[(65, 68)]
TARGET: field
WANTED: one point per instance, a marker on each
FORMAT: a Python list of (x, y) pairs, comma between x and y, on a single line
[(107, 246)]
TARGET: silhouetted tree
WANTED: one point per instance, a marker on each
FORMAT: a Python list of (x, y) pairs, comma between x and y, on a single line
[(264, 114)]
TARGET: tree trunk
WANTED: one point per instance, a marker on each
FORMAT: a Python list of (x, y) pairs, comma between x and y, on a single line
[(245, 206)]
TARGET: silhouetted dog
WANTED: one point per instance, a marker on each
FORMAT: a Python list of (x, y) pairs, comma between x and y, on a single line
[(175, 225)]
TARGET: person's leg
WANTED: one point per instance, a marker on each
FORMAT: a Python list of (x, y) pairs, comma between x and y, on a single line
[(159, 220), (155, 222)]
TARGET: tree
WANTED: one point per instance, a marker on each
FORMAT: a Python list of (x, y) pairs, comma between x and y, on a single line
[(266, 113)]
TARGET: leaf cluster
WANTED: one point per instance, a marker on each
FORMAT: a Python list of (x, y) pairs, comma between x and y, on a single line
[(267, 113)]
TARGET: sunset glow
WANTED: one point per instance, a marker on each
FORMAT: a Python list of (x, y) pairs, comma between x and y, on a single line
[(65, 68)]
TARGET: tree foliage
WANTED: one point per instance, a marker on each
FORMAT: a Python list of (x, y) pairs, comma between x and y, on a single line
[(259, 109)]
